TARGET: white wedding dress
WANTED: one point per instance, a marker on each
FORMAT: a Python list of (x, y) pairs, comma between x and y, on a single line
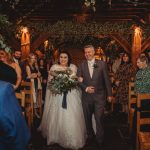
[(65, 127)]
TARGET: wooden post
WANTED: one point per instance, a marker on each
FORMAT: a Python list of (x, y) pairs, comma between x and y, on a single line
[(25, 43), (136, 44)]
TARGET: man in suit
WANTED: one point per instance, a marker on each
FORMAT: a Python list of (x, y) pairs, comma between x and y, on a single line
[(14, 133), (17, 56), (95, 85)]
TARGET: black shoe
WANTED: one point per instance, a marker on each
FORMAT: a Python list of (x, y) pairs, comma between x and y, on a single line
[(99, 146), (90, 140)]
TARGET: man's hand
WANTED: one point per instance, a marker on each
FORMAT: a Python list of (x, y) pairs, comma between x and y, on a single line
[(109, 98), (90, 89)]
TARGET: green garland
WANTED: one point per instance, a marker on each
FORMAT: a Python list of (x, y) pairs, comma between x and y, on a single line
[(67, 28), (4, 23), (63, 29), (5, 27)]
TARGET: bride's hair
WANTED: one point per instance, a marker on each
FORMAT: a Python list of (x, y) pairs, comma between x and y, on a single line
[(69, 57)]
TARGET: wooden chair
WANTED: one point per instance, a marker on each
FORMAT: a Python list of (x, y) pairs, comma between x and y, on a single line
[(143, 138), (131, 101), (21, 97), (26, 87)]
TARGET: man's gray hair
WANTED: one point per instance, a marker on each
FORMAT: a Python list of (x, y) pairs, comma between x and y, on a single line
[(89, 46)]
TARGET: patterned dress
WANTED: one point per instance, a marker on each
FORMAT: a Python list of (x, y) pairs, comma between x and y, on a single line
[(124, 75), (142, 81)]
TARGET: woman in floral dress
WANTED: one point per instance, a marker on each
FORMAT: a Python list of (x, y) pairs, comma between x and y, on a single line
[(124, 75)]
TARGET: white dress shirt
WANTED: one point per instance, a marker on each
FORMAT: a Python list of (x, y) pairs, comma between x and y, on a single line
[(91, 66)]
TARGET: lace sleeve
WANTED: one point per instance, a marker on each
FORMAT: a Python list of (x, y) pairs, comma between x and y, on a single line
[(74, 69), (49, 72)]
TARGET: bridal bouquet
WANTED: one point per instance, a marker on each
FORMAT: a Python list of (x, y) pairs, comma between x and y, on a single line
[(62, 81)]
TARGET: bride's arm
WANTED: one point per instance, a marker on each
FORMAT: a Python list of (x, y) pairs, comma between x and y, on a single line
[(51, 72), (74, 70)]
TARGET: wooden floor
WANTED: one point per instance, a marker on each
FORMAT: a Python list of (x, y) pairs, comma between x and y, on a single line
[(116, 135)]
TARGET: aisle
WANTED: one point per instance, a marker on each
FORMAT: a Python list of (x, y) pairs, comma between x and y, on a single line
[(115, 136)]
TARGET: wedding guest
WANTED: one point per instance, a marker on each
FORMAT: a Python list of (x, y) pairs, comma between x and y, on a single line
[(63, 121), (44, 76), (142, 85), (17, 56), (148, 55), (14, 133), (124, 75), (33, 75), (117, 63), (142, 80), (13, 73)]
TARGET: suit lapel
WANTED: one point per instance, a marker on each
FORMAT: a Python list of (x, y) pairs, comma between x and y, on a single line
[(87, 69)]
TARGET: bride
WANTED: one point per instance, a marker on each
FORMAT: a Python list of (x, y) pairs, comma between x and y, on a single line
[(65, 127)]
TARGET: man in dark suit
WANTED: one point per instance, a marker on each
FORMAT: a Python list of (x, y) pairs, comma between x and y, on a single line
[(95, 85), (17, 56), (14, 133)]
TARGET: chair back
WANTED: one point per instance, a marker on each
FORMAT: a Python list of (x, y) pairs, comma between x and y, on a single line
[(26, 87), (142, 120), (132, 95), (21, 97)]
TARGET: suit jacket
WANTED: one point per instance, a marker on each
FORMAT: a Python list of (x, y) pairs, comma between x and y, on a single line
[(100, 80), (14, 133)]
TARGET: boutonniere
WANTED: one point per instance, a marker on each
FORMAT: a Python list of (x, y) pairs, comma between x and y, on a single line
[(95, 65)]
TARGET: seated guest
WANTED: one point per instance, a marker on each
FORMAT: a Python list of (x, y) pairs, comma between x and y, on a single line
[(142, 85), (13, 73), (14, 133), (142, 80)]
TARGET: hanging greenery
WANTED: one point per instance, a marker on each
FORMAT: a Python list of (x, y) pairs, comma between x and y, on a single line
[(4, 29), (63, 29), (4, 23), (67, 28)]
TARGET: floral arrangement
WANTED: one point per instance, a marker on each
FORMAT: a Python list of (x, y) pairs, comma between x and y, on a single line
[(62, 81), (95, 65)]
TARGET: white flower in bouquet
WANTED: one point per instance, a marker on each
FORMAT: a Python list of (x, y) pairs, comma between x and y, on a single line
[(62, 81)]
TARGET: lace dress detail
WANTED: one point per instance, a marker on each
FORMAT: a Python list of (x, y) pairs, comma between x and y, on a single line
[(64, 126)]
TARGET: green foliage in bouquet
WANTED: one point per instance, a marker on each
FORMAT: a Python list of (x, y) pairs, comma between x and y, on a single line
[(63, 81)]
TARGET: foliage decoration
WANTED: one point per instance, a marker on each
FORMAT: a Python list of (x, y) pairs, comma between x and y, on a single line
[(73, 29), (3, 44), (63, 32), (4, 23), (4, 29), (12, 3)]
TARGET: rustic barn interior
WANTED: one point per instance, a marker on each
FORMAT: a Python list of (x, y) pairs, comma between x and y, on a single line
[(50, 26)]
